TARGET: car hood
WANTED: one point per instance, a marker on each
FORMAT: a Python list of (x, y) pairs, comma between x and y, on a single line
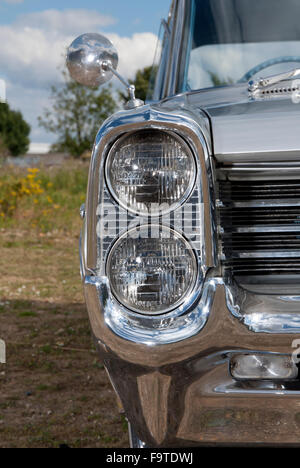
[(247, 129)]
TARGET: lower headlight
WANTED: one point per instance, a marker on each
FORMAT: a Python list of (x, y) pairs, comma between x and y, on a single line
[(152, 269)]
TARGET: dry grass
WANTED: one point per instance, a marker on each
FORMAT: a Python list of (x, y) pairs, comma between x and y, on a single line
[(54, 390)]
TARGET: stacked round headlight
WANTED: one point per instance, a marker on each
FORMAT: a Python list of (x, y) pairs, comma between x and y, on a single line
[(151, 269), (150, 172)]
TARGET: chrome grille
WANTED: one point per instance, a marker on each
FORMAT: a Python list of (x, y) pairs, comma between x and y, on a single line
[(260, 220)]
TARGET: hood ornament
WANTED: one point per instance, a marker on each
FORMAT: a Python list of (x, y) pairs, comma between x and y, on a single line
[(270, 86)]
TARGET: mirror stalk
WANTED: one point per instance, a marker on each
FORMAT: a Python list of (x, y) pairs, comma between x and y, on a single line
[(133, 101)]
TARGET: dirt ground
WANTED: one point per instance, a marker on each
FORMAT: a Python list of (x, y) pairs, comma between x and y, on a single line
[(53, 389)]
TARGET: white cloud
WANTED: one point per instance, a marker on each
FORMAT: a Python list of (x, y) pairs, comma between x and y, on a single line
[(134, 52), (30, 56), (35, 43), (34, 49), (65, 22)]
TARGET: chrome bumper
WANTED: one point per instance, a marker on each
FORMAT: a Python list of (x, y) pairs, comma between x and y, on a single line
[(182, 394)]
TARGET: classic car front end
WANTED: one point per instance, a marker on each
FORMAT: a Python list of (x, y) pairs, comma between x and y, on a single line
[(190, 253)]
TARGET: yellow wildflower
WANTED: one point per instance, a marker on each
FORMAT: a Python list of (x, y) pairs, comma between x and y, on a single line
[(33, 170)]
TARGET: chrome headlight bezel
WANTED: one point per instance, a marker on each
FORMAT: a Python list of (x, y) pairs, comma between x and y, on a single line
[(161, 212), (192, 315), (193, 230)]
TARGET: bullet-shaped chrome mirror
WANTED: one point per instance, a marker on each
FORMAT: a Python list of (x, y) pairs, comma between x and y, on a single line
[(86, 56), (92, 60)]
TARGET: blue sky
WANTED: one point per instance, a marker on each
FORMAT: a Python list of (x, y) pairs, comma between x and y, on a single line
[(34, 36), (131, 16)]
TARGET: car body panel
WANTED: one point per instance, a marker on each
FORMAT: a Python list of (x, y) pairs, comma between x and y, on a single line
[(236, 117)]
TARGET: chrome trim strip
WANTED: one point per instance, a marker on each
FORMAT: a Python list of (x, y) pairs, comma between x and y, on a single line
[(234, 390), (257, 156), (81, 266), (134, 441), (153, 330), (264, 203), (260, 166), (268, 228), (273, 323), (258, 312), (266, 254), (256, 173), (174, 62), (263, 313)]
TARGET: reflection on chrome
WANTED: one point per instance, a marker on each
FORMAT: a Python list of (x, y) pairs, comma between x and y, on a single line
[(263, 313), (169, 328)]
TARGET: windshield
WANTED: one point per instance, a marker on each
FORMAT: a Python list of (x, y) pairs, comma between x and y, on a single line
[(233, 41)]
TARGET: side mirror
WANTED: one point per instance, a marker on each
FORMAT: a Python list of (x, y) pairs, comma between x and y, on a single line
[(85, 58), (92, 60)]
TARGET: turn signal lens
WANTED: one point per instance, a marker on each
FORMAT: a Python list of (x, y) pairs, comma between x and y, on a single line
[(263, 367), (151, 269), (150, 172)]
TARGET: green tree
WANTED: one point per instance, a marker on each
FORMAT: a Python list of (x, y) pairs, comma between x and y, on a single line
[(217, 81), (141, 83), (14, 131), (76, 115)]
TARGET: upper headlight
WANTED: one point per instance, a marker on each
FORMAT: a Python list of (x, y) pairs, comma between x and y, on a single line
[(150, 172)]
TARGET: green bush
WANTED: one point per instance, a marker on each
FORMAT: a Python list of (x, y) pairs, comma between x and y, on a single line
[(14, 131)]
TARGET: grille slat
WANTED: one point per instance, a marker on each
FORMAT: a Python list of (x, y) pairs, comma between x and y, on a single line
[(264, 203), (260, 225)]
